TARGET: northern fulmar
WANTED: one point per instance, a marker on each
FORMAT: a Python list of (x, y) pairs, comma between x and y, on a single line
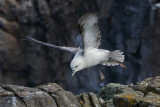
[(89, 55)]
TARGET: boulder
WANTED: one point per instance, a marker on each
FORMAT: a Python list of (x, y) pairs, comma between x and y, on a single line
[(49, 95), (143, 94), (89, 100), (9, 99)]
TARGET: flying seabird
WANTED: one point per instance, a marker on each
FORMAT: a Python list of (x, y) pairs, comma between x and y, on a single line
[(89, 55)]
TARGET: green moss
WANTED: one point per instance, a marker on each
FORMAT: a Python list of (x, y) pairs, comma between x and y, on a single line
[(110, 90)]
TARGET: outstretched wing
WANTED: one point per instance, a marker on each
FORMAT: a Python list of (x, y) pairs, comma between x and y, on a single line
[(63, 48), (89, 30)]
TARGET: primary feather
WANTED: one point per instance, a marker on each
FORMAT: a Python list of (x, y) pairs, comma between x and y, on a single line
[(89, 30), (63, 48)]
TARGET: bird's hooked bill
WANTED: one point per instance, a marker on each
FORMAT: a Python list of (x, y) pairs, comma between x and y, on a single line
[(73, 73)]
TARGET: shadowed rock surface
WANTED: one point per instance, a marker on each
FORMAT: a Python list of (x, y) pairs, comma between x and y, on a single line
[(129, 25), (143, 94), (49, 95)]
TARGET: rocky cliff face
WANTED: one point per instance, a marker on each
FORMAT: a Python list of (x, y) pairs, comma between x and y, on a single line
[(132, 26), (143, 94), (49, 95)]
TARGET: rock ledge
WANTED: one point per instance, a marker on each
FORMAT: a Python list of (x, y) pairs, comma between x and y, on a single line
[(142, 94)]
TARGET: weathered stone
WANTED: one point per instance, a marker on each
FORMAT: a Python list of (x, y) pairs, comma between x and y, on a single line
[(101, 102), (143, 94), (8, 99), (129, 98), (31, 96), (10, 27), (108, 103), (141, 88), (94, 100), (151, 84), (90, 100), (50, 87), (110, 90), (150, 100), (84, 100), (63, 98)]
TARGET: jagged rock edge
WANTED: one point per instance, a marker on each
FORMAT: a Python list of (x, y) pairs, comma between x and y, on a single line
[(58, 105), (10, 90)]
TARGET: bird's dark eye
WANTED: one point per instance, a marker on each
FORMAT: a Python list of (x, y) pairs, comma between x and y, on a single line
[(76, 66)]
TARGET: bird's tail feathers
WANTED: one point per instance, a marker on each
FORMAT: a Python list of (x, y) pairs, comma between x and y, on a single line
[(116, 57)]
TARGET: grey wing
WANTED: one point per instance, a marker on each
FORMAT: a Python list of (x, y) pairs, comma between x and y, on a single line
[(63, 48), (89, 30), (115, 58), (112, 62)]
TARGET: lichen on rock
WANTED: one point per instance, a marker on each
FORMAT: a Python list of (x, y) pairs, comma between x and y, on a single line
[(144, 93), (110, 90)]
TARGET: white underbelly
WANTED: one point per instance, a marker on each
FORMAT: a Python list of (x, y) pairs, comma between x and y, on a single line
[(95, 57)]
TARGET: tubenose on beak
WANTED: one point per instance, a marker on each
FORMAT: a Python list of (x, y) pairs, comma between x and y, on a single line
[(73, 73)]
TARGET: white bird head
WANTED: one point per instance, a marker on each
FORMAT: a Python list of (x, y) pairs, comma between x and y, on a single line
[(77, 64)]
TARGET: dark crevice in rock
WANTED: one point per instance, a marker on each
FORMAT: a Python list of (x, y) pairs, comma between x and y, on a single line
[(55, 15), (40, 22), (50, 94), (58, 105), (9, 89), (80, 100), (140, 88), (81, 97), (50, 8), (91, 100)]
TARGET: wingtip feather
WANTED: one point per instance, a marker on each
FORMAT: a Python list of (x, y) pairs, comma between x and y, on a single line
[(88, 18)]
